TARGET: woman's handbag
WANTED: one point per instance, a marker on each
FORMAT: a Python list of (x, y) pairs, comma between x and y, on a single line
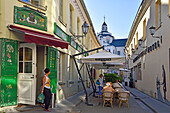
[(97, 82), (40, 98)]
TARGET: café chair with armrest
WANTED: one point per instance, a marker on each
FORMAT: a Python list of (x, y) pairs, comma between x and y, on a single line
[(123, 97), (108, 97)]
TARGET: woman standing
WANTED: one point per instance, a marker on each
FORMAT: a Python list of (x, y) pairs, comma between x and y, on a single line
[(101, 85), (46, 88)]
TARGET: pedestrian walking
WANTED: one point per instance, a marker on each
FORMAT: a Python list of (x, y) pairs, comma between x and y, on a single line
[(100, 85), (46, 88)]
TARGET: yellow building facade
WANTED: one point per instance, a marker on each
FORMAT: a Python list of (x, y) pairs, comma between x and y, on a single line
[(35, 34), (147, 54)]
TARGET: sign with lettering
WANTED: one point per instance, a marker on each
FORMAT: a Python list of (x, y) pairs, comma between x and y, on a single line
[(73, 43), (147, 50), (59, 32), (103, 59), (29, 17)]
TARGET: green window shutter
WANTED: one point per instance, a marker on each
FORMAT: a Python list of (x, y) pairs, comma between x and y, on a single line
[(9, 68), (52, 54)]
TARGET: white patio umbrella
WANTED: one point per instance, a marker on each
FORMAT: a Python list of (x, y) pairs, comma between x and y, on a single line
[(103, 57), (104, 60), (122, 69)]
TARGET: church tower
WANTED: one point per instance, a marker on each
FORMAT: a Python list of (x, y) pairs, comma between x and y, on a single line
[(104, 27), (104, 37)]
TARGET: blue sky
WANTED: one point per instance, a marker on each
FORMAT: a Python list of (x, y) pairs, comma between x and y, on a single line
[(119, 15)]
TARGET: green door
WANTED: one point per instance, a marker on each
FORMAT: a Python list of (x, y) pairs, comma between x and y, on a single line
[(52, 64), (9, 64)]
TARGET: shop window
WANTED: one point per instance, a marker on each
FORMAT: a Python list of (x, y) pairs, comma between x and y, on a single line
[(158, 13), (73, 68), (135, 74), (144, 29), (35, 3), (139, 72)]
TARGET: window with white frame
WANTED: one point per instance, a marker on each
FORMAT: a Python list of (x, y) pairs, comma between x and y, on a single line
[(71, 18), (61, 10), (34, 2)]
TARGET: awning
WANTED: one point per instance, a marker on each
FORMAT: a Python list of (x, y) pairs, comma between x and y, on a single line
[(32, 36)]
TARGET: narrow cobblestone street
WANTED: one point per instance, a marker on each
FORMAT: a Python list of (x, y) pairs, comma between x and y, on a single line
[(97, 107)]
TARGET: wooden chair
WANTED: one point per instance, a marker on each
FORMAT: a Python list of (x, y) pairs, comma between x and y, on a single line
[(118, 89), (108, 97), (123, 97)]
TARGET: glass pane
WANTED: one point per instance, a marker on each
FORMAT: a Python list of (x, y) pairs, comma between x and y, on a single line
[(21, 54), (25, 1), (35, 2), (28, 54), (20, 67), (28, 67)]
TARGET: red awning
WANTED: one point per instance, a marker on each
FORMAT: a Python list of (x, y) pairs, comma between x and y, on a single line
[(32, 36)]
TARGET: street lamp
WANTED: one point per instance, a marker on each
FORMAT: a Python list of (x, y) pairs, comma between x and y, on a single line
[(129, 57), (140, 43), (152, 32), (85, 28), (133, 51)]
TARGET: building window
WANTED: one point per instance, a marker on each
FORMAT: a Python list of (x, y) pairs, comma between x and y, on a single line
[(73, 68), (135, 73), (71, 19), (61, 10), (144, 29), (169, 8), (78, 29), (139, 77), (108, 41), (134, 44), (158, 13), (35, 3), (131, 48), (137, 39), (118, 52)]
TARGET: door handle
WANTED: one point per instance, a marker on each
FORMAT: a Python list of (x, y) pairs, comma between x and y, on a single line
[(32, 76)]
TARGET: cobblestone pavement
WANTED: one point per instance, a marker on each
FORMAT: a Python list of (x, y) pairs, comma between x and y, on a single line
[(97, 107)]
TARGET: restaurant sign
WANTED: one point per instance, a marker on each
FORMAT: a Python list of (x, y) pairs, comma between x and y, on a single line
[(60, 33), (147, 50), (73, 43), (29, 17)]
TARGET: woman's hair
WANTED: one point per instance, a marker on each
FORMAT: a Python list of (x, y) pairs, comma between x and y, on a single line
[(100, 75), (46, 70)]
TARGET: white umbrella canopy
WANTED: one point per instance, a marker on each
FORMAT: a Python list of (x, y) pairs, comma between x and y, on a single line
[(103, 57), (122, 69)]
